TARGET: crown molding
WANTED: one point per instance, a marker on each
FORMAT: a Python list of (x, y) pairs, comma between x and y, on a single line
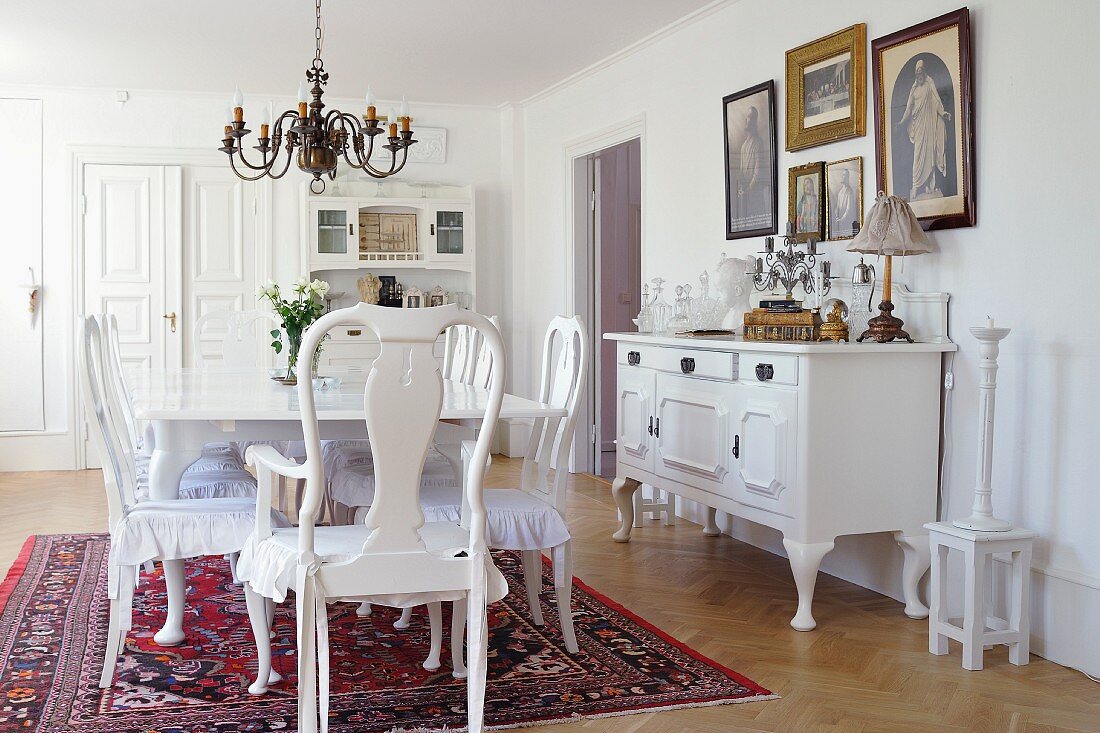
[(687, 20)]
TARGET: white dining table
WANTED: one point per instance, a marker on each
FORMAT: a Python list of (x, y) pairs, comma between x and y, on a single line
[(184, 409)]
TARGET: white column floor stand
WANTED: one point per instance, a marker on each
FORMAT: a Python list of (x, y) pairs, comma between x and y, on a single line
[(981, 517), (978, 627)]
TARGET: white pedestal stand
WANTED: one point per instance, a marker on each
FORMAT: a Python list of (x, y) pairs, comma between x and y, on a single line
[(981, 517)]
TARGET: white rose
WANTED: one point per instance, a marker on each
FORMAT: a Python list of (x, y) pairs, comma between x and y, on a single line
[(320, 287)]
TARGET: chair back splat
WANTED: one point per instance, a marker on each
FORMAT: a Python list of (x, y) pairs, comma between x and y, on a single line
[(564, 369), (243, 337), (402, 401)]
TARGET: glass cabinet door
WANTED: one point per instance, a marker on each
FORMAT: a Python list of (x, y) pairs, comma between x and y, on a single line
[(449, 232), (332, 231)]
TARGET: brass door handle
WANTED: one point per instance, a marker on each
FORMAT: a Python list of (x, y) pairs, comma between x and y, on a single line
[(171, 320)]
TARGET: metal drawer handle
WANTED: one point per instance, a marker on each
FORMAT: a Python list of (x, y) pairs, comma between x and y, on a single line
[(687, 365), (651, 425), (355, 332), (764, 372), (737, 446), (633, 358)]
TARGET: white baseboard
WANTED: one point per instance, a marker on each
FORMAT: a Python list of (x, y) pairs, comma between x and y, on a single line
[(43, 452), (1064, 603)]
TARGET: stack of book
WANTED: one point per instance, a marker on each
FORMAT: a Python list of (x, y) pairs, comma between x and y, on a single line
[(768, 324)]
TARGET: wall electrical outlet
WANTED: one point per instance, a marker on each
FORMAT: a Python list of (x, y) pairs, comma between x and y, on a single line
[(949, 380)]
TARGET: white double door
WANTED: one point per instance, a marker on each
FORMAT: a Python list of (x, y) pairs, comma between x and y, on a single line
[(164, 245)]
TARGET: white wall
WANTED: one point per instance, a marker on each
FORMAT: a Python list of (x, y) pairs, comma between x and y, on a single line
[(1035, 235), (189, 121)]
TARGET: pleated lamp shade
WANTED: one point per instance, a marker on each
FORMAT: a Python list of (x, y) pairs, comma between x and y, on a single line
[(891, 228)]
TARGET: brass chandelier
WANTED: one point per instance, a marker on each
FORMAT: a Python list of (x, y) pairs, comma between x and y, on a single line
[(316, 137)]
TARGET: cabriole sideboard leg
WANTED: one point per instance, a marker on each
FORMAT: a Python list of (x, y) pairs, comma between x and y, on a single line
[(805, 560), (917, 558), (623, 490)]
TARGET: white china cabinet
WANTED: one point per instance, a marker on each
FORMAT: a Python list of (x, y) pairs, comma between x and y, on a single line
[(422, 235)]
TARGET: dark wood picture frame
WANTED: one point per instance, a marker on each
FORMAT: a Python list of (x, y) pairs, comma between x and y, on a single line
[(772, 160), (793, 174), (962, 129)]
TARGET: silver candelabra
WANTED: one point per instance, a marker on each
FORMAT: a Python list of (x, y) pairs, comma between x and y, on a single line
[(790, 267)]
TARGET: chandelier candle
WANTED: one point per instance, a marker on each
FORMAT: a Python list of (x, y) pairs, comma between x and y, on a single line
[(315, 138)]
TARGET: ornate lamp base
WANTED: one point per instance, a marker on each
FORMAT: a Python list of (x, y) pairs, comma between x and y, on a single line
[(884, 327)]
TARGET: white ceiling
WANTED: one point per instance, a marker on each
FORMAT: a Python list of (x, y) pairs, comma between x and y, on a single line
[(457, 51)]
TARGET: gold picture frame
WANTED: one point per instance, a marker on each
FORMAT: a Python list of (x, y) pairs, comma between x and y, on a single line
[(806, 201), (844, 198), (827, 89)]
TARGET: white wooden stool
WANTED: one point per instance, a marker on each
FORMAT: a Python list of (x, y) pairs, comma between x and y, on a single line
[(978, 629), (658, 503)]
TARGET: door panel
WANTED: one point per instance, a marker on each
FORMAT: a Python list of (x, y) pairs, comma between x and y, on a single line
[(219, 235), (765, 425), (693, 444), (132, 241), (132, 254), (635, 410)]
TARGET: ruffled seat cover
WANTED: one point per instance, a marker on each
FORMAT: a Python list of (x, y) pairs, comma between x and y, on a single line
[(351, 475), (204, 479), (184, 528), (515, 519), (270, 565)]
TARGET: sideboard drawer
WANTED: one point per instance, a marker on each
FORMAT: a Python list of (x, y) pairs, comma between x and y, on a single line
[(774, 368), (692, 362)]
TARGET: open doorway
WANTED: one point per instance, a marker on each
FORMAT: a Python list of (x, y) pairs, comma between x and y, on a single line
[(607, 213)]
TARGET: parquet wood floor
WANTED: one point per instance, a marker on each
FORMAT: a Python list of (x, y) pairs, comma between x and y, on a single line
[(865, 669)]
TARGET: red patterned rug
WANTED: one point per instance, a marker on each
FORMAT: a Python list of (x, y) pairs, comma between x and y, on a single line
[(53, 627)]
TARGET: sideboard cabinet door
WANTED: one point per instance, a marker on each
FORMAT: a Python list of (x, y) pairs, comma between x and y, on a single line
[(694, 444), (764, 428), (636, 387)]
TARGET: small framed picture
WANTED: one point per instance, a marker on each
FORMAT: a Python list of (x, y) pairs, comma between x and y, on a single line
[(414, 298), (752, 190), (806, 201), (844, 204), (826, 89), (924, 141), (438, 296)]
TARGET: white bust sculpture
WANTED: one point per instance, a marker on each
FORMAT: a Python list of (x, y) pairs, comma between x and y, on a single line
[(733, 287)]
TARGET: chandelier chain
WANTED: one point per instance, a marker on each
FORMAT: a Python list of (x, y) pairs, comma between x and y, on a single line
[(317, 32)]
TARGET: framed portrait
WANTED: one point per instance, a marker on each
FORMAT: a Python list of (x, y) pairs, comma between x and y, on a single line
[(826, 89), (414, 298), (844, 199), (752, 197), (806, 201), (924, 119), (437, 297)]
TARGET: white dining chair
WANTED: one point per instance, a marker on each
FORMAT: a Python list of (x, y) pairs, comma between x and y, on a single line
[(219, 471), (458, 352), (146, 531), (532, 517), (240, 336), (394, 557), (348, 464)]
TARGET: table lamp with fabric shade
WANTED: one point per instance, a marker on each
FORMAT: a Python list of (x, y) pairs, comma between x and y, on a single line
[(891, 229)]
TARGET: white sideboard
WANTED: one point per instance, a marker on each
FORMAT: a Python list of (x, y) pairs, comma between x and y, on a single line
[(816, 440)]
